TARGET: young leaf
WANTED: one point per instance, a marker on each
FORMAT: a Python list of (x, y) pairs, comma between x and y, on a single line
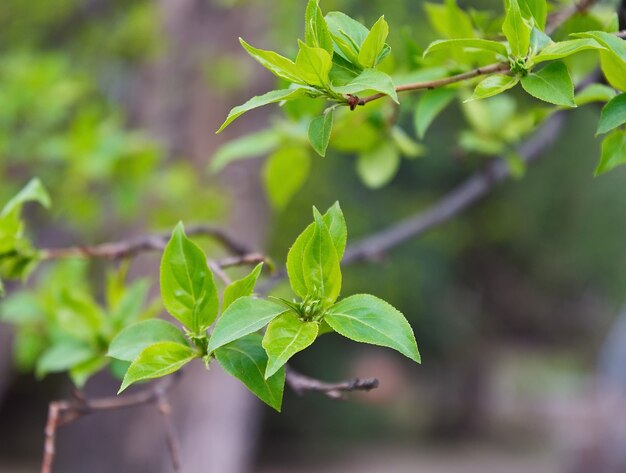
[(158, 360), (319, 132), (245, 315), (246, 360), (348, 35), (613, 152), (285, 336), (62, 356), (537, 9), (316, 32), (431, 104), (242, 287), (614, 69), (280, 66), (610, 41), (80, 373), (516, 29), (471, 43), (130, 342), (370, 79), (378, 166), (33, 191), (373, 44), (449, 20), (493, 85), (407, 146), (551, 84), (248, 146), (260, 100), (187, 287), (320, 263), (613, 114), (595, 93), (284, 173), (336, 224), (565, 48), (313, 65), (367, 319)]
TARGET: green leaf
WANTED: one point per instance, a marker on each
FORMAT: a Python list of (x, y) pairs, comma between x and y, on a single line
[(33, 191), (613, 114), (613, 152), (316, 32), (614, 69), (248, 146), (348, 35), (373, 44), (280, 66), (493, 85), (62, 356), (467, 43), (367, 319), (551, 84), (313, 65), (378, 166), (613, 43), (320, 264), (537, 9), (158, 360), (565, 48), (245, 315), (370, 80), (595, 93), (336, 225), (284, 173), (449, 20), (405, 144), (517, 30), (242, 287), (130, 342), (246, 360), (319, 132), (285, 336), (187, 287), (431, 104), (261, 100), (2, 290), (80, 373)]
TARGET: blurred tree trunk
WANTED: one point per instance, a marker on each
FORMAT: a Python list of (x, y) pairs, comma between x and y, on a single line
[(216, 418)]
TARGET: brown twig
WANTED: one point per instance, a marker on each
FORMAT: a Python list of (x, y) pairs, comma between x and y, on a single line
[(301, 384), (66, 411), (131, 247), (433, 84), (171, 438)]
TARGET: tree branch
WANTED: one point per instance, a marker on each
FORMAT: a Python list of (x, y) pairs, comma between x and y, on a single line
[(66, 411), (300, 384), (434, 84), (131, 247), (459, 199)]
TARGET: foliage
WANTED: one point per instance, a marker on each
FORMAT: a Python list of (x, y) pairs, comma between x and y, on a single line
[(467, 43), (157, 348)]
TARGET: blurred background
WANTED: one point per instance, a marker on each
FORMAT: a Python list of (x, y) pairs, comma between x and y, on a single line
[(515, 304)]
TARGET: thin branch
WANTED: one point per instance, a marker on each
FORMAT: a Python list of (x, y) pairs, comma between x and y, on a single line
[(462, 197), (301, 384), (173, 447), (66, 411), (433, 84), (131, 247)]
